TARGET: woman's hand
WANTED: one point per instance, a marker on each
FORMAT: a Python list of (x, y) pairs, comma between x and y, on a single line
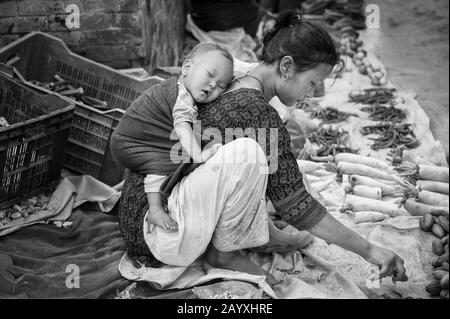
[(332, 231), (390, 263)]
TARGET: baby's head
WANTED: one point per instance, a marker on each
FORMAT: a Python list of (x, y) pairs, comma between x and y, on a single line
[(207, 71)]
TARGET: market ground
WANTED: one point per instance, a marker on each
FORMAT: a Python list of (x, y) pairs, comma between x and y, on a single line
[(413, 44)]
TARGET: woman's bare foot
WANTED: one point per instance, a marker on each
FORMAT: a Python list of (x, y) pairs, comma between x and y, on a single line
[(159, 217), (236, 262)]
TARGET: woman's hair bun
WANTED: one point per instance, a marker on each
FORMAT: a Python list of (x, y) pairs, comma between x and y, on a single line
[(307, 43), (286, 19)]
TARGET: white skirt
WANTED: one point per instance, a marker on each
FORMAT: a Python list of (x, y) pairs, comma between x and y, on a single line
[(222, 201)]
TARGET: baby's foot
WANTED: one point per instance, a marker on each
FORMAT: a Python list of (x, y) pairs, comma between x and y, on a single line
[(160, 218)]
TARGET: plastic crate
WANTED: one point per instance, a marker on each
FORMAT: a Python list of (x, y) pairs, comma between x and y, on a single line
[(32, 147), (39, 57)]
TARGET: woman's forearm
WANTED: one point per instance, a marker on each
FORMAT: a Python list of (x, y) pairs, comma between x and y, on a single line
[(332, 231)]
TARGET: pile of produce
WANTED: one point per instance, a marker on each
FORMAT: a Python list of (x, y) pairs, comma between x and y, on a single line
[(350, 45), (438, 225), (428, 196), (339, 14), (330, 115), (391, 131), (370, 68), (383, 113), (366, 181), (63, 87), (428, 191), (19, 211), (391, 135), (331, 141), (373, 96)]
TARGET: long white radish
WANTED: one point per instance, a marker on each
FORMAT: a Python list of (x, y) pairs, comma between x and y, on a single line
[(364, 217), (388, 188), (360, 159), (433, 173), (309, 166), (433, 199), (419, 209), (367, 191), (362, 204), (360, 169), (433, 186)]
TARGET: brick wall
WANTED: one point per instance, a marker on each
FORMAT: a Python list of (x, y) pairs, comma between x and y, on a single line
[(119, 33)]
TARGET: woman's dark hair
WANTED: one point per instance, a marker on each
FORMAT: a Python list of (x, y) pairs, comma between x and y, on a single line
[(308, 44)]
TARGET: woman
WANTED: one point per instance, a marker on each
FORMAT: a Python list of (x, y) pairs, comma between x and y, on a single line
[(220, 206)]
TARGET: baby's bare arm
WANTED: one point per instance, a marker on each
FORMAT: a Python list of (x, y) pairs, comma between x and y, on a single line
[(188, 141)]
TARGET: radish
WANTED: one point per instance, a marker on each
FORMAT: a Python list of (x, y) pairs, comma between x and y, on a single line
[(359, 204), (367, 191), (360, 159), (360, 169), (433, 199), (424, 172), (433, 186), (387, 188), (364, 217), (419, 209), (433, 173)]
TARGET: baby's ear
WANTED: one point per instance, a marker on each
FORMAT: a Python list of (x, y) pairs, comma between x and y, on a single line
[(185, 67)]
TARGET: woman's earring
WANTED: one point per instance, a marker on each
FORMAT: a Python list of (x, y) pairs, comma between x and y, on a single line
[(285, 77)]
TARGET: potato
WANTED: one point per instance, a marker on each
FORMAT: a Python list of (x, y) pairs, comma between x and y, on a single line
[(434, 288), (438, 261), (438, 248), (375, 81), (360, 56), (426, 222), (445, 265), (383, 81), (378, 75), (443, 222), (444, 282), (376, 67), (445, 240), (438, 231), (363, 70), (439, 274)]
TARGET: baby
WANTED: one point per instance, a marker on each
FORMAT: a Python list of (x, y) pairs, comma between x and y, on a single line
[(205, 75)]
